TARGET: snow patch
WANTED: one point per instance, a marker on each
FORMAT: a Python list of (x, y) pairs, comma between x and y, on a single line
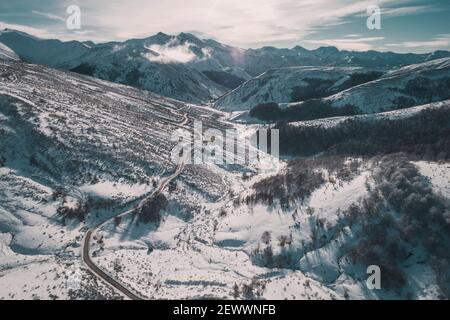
[(109, 189), (439, 175)]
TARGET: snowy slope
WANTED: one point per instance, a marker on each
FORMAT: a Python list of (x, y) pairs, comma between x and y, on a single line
[(48, 52), (405, 87), (69, 139), (7, 53), (388, 115), (100, 142), (402, 87), (439, 175), (285, 85), (129, 127)]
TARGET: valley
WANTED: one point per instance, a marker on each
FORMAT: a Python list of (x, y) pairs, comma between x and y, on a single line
[(93, 207)]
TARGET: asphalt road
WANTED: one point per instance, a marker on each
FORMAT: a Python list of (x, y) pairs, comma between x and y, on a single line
[(97, 271)]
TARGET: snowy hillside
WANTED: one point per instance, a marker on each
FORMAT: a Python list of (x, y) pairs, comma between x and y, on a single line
[(75, 151), (93, 207), (293, 84), (388, 115), (7, 53), (395, 89), (53, 53), (359, 190), (406, 87)]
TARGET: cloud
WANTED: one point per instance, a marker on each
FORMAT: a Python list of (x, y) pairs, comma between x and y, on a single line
[(442, 40), (60, 34), (249, 23), (352, 35), (389, 12), (349, 43), (402, 11), (49, 15), (171, 53), (246, 23)]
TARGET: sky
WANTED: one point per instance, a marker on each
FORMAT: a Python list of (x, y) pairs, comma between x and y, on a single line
[(406, 25)]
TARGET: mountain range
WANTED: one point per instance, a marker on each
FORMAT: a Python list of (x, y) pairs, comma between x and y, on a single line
[(366, 90), (186, 67)]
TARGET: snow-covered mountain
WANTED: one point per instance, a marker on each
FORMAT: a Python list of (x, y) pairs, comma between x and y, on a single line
[(400, 114), (179, 66), (293, 84), (257, 61), (186, 67), (53, 53), (173, 66), (358, 90), (404, 87)]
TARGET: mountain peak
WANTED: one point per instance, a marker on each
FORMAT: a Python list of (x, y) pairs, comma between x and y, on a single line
[(299, 48), (17, 32), (269, 48), (162, 34), (184, 36), (326, 51), (159, 38)]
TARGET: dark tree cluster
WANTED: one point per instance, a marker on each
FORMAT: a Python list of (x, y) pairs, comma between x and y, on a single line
[(150, 212), (297, 184), (308, 110), (58, 193), (401, 215), (266, 111), (78, 212), (427, 90), (225, 79), (85, 69), (133, 76), (358, 78), (425, 134), (320, 88), (316, 88), (265, 257), (304, 175)]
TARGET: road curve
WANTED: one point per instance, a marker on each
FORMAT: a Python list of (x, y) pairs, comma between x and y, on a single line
[(97, 271)]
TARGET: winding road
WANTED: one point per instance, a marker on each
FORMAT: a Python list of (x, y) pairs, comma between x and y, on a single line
[(96, 270)]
